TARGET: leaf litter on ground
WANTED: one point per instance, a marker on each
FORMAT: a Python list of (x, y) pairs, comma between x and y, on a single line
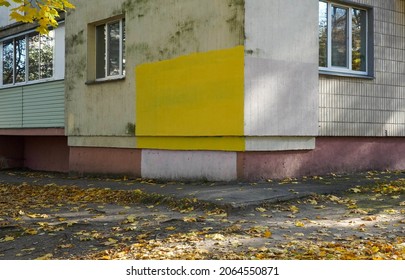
[(68, 222)]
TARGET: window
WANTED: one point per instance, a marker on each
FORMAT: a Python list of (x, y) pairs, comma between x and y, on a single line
[(343, 38), (110, 50), (27, 58)]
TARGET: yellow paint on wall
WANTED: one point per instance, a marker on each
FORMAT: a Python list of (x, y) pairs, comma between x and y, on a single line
[(212, 143), (196, 95)]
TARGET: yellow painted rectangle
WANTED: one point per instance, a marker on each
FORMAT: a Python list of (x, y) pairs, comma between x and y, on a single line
[(200, 94)]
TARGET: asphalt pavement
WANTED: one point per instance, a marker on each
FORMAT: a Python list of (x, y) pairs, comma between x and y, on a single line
[(224, 194)]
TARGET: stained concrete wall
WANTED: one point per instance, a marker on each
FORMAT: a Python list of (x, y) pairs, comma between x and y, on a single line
[(156, 30)]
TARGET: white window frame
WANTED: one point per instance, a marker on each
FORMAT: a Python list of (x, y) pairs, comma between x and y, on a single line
[(106, 58), (345, 70), (58, 58)]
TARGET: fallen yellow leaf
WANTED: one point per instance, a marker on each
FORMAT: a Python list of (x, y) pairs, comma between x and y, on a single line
[(110, 241), (261, 209), (299, 224), (294, 209), (369, 218), (189, 219), (355, 190), (267, 234), (31, 231), (7, 238), (215, 236), (45, 257)]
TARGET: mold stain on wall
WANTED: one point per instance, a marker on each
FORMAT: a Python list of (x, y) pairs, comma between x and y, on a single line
[(237, 21), (73, 41)]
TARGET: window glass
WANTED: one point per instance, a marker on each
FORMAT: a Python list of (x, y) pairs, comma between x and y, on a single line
[(33, 57), (114, 39), (123, 47), (100, 51), (20, 59), (339, 36), (8, 62), (28, 58), (110, 49), (359, 40), (46, 60), (323, 34), (343, 38)]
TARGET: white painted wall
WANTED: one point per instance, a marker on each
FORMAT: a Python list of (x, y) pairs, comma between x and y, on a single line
[(4, 15), (281, 68), (177, 165)]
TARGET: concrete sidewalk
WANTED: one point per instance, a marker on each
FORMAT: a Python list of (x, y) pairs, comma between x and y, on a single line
[(224, 194)]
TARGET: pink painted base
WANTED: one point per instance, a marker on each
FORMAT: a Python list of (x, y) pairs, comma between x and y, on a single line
[(47, 153), (332, 154), (105, 161), (11, 152)]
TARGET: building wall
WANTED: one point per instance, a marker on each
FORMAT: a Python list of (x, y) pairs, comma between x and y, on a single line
[(370, 107), (281, 68), (331, 155), (157, 31), (4, 15), (50, 153), (11, 152)]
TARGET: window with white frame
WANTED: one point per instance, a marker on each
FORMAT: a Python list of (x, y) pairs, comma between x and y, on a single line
[(29, 57), (110, 50), (343, 38)]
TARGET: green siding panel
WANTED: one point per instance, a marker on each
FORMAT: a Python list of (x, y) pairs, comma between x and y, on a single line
[(11, 107), (33, 106)]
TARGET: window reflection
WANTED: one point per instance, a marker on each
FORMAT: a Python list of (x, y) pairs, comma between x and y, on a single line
[(114, 48), (339, 36), (46, 55), (323, 34), (20, 59), (28, 57), (359, 40), (8, 61), (110, 49)]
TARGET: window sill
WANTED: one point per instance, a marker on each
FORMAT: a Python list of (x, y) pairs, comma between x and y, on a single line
[(345, 74), (97, 82), (24, 84)]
